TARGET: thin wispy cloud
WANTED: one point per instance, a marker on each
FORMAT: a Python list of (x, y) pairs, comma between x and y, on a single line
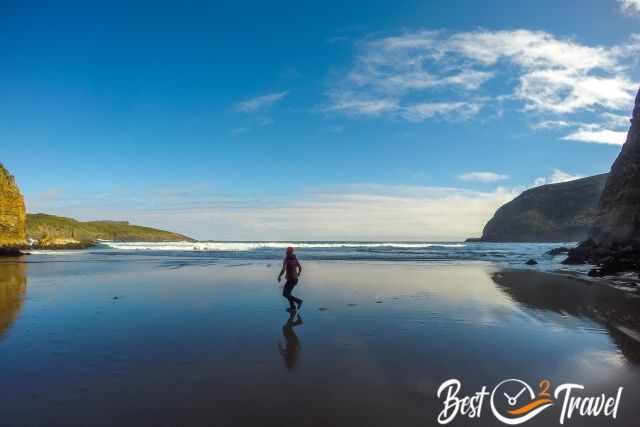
[(447, 110), (557, 176), (551, 124), (260, 102), (360, 104), (616, 120), (484, 177), (630, 6), (597, 136), (435, 74)]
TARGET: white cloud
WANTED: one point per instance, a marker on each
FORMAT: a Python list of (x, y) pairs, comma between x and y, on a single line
[(630, 6), (567, 91), (597, 136), (551, 124), (362, 212), (539, 181), (259, 102), (417, 75), (616, 120), (531, 50), (448, 110), (419, 80), (482, 177), (562, 176), (556, 177), (356, 104)]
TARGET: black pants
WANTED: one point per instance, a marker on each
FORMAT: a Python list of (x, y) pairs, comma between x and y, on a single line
[(286, 292)]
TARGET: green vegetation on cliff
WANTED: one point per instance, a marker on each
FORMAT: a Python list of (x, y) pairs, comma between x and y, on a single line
[(51, 230)]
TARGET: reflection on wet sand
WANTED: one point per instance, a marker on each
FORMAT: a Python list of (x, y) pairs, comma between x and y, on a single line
[(614, 310), (13, 284), (211, 345), (290, 351)]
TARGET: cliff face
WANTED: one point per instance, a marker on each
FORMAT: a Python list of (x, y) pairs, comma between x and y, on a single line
[(614, 239), (561, 212), (619, 209), (12, 212)]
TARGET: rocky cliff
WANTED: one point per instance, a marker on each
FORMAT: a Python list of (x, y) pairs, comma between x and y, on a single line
[(619, 209), (12, 212), (614, 239), (561, 212)]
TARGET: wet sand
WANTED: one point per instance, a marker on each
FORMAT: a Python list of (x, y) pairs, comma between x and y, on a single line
[(154, 341)]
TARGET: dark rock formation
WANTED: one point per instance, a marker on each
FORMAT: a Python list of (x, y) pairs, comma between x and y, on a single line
[(12, 215), (614, 239), (557, 251), (10, 251), (619, 209), (561, 212)]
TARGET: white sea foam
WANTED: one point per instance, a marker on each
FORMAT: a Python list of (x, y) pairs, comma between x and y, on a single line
[(251, 246), (54, 251)]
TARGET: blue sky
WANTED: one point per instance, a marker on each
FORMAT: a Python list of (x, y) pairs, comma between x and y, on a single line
[(370, 120)]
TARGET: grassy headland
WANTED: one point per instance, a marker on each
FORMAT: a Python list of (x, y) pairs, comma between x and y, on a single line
[(52, 231)]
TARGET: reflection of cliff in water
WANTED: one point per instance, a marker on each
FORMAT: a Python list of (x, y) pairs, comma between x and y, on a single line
[(616, 311), (13, 285)]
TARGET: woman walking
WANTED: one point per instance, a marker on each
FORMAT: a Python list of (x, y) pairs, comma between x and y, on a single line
[(291, 266)]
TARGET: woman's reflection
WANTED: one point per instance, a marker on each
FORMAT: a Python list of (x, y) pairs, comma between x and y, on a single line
[(13, 284), (290, 351)]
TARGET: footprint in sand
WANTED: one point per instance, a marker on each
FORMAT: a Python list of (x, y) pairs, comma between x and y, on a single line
[(378, 302)]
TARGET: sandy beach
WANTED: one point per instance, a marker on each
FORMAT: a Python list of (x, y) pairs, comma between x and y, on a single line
[(161, 341)]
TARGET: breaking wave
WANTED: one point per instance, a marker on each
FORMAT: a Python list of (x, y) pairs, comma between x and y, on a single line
[(252, 246)]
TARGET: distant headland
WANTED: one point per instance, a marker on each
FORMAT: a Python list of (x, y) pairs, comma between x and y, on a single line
[(19, 230), (53, 232), (562, 212)]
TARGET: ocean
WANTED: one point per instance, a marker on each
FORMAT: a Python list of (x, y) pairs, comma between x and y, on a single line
[(513, 255)]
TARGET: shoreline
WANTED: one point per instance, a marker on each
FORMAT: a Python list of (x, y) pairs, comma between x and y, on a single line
[(546, 260), (594, 298), (623, 283)]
